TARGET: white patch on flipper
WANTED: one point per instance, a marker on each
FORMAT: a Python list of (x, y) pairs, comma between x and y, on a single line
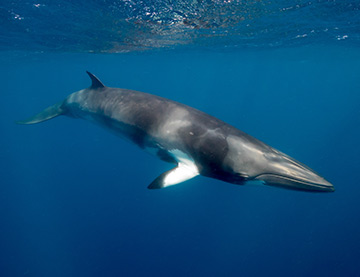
[(185, 170)]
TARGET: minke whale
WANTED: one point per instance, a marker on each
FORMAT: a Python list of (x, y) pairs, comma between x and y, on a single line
[(195, 142)]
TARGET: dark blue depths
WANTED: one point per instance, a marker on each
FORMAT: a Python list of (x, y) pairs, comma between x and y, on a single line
[(73, 198)]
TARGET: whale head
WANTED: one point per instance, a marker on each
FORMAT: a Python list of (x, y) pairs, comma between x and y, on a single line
[(284, 171), (257, 161)]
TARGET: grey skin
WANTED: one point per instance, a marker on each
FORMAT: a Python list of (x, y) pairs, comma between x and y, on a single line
[(197, 143)]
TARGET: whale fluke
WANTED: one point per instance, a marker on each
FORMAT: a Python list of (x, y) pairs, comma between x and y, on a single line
[(48, 113)]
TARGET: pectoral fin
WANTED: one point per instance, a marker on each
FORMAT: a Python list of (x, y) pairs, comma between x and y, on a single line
[(179, 174)]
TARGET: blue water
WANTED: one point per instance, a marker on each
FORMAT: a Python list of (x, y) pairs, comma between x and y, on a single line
[(73, 198)]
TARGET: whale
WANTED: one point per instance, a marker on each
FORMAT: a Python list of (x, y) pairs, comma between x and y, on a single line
[(195, 142)]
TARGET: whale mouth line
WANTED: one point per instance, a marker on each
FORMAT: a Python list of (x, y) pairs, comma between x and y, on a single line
[(294, 183)]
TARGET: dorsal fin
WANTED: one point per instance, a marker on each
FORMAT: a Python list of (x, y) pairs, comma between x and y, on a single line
[(96, 83)]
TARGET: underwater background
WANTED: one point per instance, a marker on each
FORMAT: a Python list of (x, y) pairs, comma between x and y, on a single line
[(73, 197)]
